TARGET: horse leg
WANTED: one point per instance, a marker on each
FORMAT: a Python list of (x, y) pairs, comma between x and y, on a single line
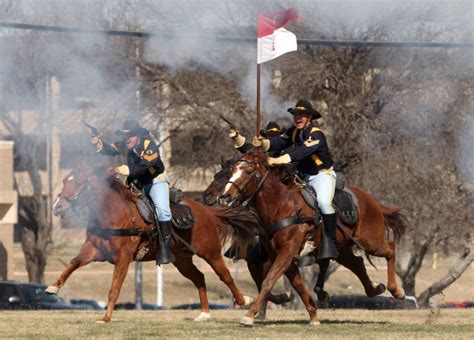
[(323, 296), (279, 266), (87, 254), (186, 267), (356, 265), (122, 262), (258, 269), (293, 274), (217, 263), (397, 292), (255, 266)]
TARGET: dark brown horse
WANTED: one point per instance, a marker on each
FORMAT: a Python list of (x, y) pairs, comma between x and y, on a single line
[(113, 211), (276, 201)]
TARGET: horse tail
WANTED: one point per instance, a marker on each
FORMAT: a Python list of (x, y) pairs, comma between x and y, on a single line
[(239, 224), (395, 221)]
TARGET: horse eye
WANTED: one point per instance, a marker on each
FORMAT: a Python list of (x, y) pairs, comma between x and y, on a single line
[(248, 171)]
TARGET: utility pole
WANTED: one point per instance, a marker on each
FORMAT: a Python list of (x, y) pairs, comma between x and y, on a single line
[(138, 102), (49, 150)]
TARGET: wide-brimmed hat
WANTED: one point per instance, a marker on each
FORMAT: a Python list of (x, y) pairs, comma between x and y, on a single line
[(272, 129), (131, 128), (304, 106)]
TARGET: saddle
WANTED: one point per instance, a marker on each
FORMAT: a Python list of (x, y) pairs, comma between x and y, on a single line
[(345, 201), (182, 216)]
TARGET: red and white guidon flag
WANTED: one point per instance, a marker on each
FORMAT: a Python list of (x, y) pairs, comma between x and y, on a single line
[(273, 39)]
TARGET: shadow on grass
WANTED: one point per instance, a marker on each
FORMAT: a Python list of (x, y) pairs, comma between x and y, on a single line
[(323, 322)]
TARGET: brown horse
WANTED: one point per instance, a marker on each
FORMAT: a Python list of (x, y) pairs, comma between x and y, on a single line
[(113, 214), (257, 259), (259, 265), (275, 201)]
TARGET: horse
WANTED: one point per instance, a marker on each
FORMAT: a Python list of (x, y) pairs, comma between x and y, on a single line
[(257, 261), (117, 233), (259, 267), (288, 221)]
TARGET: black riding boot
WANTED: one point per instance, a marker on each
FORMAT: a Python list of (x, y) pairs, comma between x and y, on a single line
[(163, 251), (328, 248)]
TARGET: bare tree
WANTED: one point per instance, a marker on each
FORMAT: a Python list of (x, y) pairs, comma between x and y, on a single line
[(36, 234)]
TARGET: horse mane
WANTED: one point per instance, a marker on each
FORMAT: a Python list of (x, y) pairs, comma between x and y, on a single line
[(120, 188), (246, 225)]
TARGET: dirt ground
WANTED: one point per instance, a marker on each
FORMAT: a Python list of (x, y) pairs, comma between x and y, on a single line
[(93, 281)]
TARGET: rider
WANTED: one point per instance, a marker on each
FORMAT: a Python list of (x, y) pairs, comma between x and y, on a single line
[(144, 165), (307, 145)]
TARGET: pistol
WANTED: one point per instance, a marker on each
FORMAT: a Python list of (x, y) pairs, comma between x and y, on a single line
[(232, 125), (94, 130)]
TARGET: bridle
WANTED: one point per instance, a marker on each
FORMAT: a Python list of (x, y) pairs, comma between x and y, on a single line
[(241, 189), (86, 186)]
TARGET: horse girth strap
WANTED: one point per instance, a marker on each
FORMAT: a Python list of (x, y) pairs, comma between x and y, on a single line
[(107, 233), (298, 219)]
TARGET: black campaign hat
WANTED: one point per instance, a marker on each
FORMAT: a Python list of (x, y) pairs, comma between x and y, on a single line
[(272, 129), (131, 128), (304, 106)]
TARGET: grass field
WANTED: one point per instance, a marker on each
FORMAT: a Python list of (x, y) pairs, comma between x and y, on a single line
[(335, 324), (93, 281)]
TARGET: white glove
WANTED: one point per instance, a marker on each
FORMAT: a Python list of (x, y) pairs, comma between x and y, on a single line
[(122, 170), (239, 140), (95, 140), (284, 159), (260, 142), (233, 133)]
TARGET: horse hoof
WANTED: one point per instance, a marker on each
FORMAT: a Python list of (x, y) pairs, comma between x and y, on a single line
[(282, 298), (52, 290), (323, 296), (203, 317), (103, 320), (315, 323), (380, 288), (248, 300), (246, 321), (399, 293)]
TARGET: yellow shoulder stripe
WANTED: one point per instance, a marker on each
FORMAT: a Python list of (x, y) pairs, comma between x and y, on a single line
[(146, 143), (151, 157), (315, 129), (317, 160)]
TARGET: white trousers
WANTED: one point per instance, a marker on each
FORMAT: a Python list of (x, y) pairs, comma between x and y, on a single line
[(324, 183)]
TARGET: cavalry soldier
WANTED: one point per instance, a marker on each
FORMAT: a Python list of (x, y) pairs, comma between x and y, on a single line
[(306, 144), (144, 166)]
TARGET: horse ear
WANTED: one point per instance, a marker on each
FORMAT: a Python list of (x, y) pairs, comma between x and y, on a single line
[(222, 162)]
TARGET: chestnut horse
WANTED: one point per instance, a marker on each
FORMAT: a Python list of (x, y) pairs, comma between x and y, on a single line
[(275, 201), (113, 211), (257, 262), (259, 267)]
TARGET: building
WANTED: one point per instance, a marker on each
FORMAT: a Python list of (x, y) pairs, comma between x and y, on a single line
[(8, 209)]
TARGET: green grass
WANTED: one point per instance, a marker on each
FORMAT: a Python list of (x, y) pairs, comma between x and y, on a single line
[(335, 324)]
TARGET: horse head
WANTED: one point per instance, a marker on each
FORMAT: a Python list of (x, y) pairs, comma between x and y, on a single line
[(245, 178), (77, 187), (209, 196)]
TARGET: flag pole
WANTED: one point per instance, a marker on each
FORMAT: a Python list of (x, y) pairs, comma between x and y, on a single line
[(257, 133)]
